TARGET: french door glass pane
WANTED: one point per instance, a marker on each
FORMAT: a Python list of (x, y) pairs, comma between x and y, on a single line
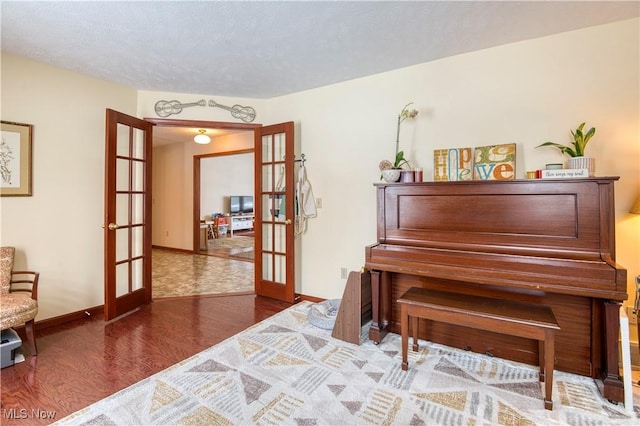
[(137, 148), (122, 244), (122, 140), (267, 151), (280, 238), (136, 274), (122, 209), (267, 267), (267, 237), (279, 274), (122, 173), (137, 209), (267, 205), (279, 146), (122, 279), (268, 180), (137, 240), (137, 181)]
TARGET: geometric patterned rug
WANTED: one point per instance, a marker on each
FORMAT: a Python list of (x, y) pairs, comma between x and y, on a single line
[(284, 370)]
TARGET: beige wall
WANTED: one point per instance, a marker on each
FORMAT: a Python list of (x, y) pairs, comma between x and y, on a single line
[(223, 176), (58, 230), (525, 92)]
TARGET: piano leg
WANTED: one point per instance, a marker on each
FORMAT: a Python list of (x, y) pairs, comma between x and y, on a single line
[(612, 386), (380, 305), (548, 347)]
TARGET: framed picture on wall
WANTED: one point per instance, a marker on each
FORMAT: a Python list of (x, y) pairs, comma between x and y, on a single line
[(15, 159)]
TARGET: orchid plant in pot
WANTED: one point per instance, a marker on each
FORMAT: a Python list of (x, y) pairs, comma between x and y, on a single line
[(391, 171)]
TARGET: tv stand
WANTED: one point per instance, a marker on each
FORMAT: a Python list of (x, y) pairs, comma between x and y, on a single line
[(240, 222)]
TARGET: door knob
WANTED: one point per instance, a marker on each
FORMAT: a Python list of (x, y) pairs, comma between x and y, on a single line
[(113, 226), (287, 222)]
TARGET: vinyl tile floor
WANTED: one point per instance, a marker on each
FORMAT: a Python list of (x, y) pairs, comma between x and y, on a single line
[(176, 274)]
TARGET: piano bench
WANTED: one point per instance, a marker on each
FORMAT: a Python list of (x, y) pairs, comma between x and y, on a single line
[(528, 320)]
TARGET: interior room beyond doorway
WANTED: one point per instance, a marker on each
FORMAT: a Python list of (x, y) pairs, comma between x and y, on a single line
[(226, 205)]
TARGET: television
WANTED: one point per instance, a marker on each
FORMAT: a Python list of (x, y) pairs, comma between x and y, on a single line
[(246, 204), (234, 204), (241, 204)]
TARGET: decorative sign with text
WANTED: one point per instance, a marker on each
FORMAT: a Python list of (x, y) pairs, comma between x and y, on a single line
[(452, 164), (495, 162), (565, 173)]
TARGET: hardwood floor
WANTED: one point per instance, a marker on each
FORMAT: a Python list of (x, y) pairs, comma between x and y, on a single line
[(84, 361)]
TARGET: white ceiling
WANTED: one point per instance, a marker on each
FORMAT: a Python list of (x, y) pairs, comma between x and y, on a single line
[(267, 49)]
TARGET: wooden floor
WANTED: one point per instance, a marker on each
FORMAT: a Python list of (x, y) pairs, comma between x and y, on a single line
[(84, 361)]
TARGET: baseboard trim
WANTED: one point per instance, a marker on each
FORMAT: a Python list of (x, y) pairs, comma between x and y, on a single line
[(72, 316), (173, 249), (301, 297)]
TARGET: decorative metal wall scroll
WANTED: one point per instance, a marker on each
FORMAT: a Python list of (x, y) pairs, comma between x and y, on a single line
[(167, 108)]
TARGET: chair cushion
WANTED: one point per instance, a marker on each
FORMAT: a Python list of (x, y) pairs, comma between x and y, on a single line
[(16, 309), (6, 266)]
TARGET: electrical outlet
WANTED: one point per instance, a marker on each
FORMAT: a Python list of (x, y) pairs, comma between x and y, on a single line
[(633, 318), (343, 272)]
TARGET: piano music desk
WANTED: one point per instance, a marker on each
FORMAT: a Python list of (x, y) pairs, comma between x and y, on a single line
[(509, 317)]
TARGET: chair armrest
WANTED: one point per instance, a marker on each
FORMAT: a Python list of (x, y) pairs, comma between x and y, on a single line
[(26, 282)]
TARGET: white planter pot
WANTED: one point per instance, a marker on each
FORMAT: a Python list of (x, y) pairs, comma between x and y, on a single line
[(391, 175), (588, 163)]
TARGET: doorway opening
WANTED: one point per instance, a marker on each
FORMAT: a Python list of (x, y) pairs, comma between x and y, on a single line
[(179, 267), (274, 238)]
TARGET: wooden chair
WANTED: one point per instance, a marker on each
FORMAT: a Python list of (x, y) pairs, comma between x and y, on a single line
[(209, 226), (18, 297)]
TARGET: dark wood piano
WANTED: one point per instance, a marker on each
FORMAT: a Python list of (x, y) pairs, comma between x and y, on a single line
[(541, 241)]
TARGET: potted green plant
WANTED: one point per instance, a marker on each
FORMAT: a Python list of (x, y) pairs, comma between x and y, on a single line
[(391, 171), (575, 151)]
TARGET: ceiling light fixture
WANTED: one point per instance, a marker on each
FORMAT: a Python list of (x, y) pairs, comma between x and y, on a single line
[(201, 138)]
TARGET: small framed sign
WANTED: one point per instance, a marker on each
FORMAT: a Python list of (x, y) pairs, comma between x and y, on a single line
[(15, 159)]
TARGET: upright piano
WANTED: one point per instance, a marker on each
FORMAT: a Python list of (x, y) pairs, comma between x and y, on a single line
[(548, 241)]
